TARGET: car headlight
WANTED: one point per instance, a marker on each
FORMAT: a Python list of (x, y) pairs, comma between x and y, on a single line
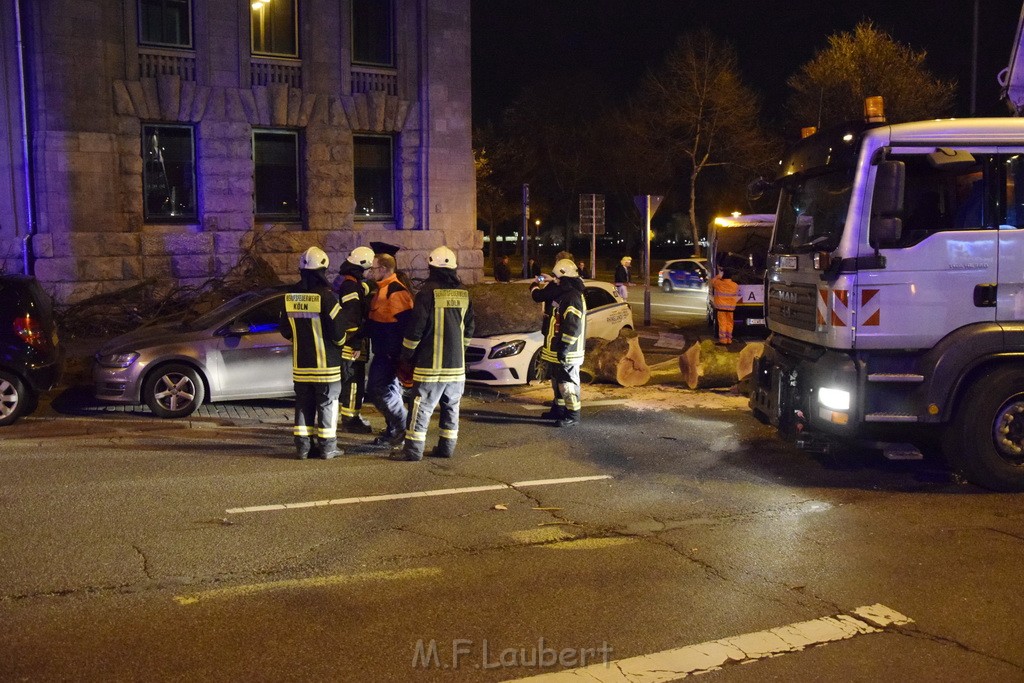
[(834, 399), (116, 360), (506, 349)]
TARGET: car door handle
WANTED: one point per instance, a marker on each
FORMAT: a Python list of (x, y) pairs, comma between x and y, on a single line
[(985, 295)]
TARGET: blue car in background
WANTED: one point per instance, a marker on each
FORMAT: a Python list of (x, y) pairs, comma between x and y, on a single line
[(684, 273)]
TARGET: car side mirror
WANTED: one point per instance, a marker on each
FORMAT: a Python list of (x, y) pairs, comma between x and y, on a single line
[(887, 203), (237, 329)]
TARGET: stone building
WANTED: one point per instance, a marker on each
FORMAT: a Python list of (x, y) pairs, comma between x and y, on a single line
[(160, 138)]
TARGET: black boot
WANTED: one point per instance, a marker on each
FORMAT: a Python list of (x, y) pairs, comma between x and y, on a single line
[(556, 412), (302, 447), (329, 449), (358, 425), (571, 419), (445, 448)]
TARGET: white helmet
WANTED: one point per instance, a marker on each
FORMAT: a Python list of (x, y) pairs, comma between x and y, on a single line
[(313, 258), (361, 256), (566, 268), (443, 257)]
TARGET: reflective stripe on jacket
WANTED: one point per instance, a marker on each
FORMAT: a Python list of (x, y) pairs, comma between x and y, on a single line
[(565, 328), (317, 334), (354, 297), (726, 293), (442, 324)]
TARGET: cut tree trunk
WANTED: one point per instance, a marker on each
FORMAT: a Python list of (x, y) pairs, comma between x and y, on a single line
[(706, 365), (504, 308), (620, 361)]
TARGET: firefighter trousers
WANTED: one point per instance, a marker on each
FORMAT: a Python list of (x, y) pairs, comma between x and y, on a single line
[(353, 386), (316, 411), (427, 396), (565, 383)]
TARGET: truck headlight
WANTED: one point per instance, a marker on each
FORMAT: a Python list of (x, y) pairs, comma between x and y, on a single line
[(506, 349), (835, 399), (116, 360)]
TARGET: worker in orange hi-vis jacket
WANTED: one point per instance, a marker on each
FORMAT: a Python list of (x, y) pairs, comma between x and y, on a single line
[(725, 294)]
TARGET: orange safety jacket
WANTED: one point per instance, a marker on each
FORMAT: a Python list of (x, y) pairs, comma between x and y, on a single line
[(725, 293)]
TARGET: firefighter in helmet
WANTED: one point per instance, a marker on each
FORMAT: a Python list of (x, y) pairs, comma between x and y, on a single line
[(315, 326), (435, 345), (354, 292), (565, 318)]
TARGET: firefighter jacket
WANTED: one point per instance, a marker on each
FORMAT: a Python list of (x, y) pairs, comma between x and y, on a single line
[(388, 317), (725, 293), (354, 294), (442, 324), (565, 328), (313, 323)]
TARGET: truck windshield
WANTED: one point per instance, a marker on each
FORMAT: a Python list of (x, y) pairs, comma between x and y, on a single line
[(812, 211)]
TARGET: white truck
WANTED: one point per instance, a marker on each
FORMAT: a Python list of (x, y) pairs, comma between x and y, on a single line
[(896, 293), (740, 244)]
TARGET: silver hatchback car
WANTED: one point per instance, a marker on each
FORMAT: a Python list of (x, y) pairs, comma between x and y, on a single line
[(233, 352)]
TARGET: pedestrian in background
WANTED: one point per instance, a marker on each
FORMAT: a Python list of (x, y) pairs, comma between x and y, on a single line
[(390, 312), (622, 276), (584, 272), (314, 324), (502, 272), (564, 339), (533, 268), (725, 294), (353, 291), (435, 346)]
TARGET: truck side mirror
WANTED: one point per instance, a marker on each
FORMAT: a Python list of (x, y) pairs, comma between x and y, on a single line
[(887, 203)]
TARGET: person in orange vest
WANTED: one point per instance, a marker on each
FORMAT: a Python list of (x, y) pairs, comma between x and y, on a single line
[(725, 294)]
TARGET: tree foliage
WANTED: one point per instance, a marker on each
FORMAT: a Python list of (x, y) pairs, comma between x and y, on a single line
[(694, 114), (831, 87)]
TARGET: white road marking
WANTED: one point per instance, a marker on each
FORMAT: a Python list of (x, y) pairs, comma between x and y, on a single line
[(314, 582), (415, 494), (589, 404), (671, 665)]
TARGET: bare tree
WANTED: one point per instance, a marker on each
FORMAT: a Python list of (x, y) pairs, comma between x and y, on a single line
[(831, 87), (493, 200), (694, 114)]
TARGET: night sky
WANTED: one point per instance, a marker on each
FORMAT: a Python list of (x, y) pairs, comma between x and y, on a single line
[(516, 41)]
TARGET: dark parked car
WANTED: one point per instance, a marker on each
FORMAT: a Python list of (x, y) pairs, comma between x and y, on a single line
[(30, 355)]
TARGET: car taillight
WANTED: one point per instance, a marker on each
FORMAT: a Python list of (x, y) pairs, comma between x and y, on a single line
[(30, 331)]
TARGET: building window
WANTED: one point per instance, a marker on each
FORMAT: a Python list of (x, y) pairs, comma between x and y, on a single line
[(274, 28), (167, 23), (374, 176), (373, 34), (168, 173), (276, 173)]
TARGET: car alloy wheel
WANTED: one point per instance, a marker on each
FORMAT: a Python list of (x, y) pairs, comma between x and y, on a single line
[(14, 400), (174, 390)]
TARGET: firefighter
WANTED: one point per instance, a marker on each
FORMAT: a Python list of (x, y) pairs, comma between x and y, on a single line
[(564, 339), (725, 294), (435, 345), (354, 292), (315, 326)]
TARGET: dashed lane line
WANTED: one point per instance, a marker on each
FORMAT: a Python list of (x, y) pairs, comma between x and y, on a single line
[(671, 665), (415, 494), (315, 582)]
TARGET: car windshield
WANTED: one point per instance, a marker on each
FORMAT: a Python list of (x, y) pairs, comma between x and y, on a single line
[(226, 310), (812, 212)]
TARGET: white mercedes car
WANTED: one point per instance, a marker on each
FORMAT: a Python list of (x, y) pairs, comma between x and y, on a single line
[(505, 359)]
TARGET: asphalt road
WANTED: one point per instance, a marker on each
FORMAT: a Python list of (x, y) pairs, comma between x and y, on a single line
[(669, 522)]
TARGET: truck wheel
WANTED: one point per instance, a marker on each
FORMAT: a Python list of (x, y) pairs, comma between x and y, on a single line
[(174, 390), (985, 441)]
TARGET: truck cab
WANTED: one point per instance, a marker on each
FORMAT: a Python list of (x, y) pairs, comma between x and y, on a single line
[(896, 292)]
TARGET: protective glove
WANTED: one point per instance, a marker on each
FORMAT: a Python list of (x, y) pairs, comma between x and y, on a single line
[(563, 354), (404, 373)]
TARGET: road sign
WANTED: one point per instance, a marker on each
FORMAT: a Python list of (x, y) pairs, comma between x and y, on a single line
[(591, 214)]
